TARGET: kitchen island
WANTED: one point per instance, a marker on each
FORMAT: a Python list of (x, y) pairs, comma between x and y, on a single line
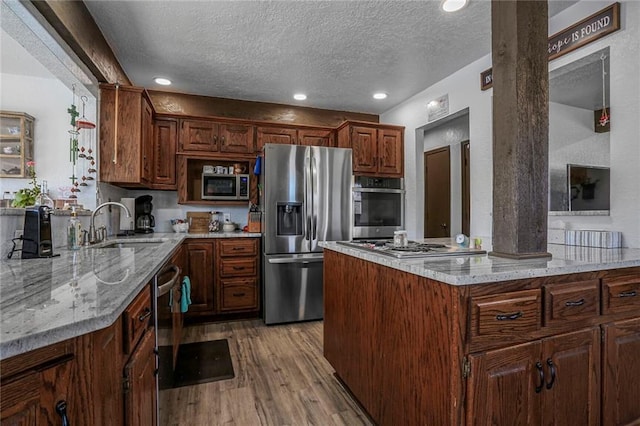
[(486, 340), (78, 340)]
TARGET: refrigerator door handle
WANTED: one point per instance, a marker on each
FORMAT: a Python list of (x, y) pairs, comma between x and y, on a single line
[(307, 194), (303, 261), (314, 188)]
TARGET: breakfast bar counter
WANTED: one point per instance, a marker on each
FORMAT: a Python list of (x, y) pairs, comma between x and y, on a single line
[(48, 300)]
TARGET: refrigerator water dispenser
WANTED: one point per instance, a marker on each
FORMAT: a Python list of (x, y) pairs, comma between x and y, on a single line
[(289, 219)]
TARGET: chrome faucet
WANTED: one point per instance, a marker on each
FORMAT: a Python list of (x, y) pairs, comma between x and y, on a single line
[(93, 235)]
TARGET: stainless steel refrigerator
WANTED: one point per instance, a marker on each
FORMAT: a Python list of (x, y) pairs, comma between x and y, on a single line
[(306, 199)]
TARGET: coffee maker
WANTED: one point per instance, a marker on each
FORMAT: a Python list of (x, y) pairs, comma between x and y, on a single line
[(144, 219), (36, 236)]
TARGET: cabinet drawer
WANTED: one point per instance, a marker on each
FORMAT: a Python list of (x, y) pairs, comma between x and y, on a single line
[(239, 267), (238, 247), (506, 314), (238, 295), (136, 319), (620, 295), (572, 301)]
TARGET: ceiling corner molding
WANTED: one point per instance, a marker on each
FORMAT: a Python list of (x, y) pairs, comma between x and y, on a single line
[(72, 21)]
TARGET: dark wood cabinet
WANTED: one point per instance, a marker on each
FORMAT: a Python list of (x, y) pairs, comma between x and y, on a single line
[(164, 154), (237, 265), (215, 136), (295, 136), (199, 263), (140, 384), (378, 149), (553, 381), (621, 373), (126, 136)]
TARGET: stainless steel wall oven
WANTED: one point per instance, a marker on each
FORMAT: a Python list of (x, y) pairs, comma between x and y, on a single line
[(378, 206)]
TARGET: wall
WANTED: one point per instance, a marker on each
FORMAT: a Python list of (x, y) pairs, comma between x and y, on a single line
[(46, 99), (464, 91), (450, 133)]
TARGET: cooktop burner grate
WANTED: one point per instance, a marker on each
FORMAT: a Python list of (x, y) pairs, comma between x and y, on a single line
[(413, 246)]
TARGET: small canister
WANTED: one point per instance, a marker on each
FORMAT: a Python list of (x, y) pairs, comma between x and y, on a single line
[(400, 239)]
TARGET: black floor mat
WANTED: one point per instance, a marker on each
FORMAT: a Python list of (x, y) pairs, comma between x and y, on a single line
[(197, 363)]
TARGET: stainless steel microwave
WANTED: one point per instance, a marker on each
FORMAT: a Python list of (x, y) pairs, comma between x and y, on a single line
[(225, 187)]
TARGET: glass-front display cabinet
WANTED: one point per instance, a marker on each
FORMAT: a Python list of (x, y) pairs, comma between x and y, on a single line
[(16, 144)]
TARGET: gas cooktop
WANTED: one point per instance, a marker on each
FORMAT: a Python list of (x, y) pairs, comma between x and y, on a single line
[(413, 250)]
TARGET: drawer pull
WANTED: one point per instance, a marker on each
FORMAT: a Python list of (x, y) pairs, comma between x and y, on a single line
[(238, 268), (576, 303), (509, 317), (238, 294), (147, 314), (238, 249), (541, 375), (631, 293)]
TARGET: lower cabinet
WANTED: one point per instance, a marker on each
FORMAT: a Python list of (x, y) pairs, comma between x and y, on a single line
[(621, 373), (552, 381), (224, 275), (140, 383)]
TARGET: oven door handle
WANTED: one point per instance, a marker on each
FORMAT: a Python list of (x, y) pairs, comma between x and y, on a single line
[(165, 287), (379, 190)]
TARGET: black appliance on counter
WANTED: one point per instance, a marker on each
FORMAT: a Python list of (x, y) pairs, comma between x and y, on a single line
[(36, 236), (144, 219)]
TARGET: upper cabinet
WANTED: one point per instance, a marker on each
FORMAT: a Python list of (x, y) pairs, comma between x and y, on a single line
[(126, 136), (164, 154), (377, 148), (295, 136), (208, 136), (16, 143)]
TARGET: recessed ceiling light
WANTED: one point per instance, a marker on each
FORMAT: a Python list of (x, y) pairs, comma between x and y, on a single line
[(453, 5), (299, 96), (379, 95), (162, 81)]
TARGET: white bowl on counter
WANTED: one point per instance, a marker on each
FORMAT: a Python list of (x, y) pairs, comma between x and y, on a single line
[(180, 227), (229, 227)]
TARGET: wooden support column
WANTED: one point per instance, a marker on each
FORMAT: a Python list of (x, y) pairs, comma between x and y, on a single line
[(520, 128)]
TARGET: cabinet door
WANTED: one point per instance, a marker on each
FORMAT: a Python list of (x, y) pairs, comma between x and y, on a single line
[(324, 138), (140, 384), (147, 141), (236, 138), (199, 135), (390, 152), (621, 373), (275, 135), (572, 371), (164, 154), (502, 386), (19, 401), (200, 271), (365, 149)]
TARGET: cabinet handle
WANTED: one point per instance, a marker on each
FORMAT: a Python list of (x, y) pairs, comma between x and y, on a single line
[(61, 409), (631, 293), (238, 268), (237, 248), (509, 317), (222, 140), (576, 303), (115, 126), (541, 375), (552, 367), (147, 314), (238, 294)]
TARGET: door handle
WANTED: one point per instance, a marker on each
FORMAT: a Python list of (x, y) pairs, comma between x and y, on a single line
[(541, 377), (61, 409), (305, 260), (552, 368)]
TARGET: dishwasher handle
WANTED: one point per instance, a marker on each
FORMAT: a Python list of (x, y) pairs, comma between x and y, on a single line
[(165, 287)]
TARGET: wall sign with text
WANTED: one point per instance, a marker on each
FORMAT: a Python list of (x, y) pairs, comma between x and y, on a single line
[(584, 32)]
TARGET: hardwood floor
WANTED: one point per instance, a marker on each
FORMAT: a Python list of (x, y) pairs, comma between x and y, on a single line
[(281, 378)]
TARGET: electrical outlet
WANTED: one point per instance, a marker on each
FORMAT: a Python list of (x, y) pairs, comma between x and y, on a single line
[(227, 217)]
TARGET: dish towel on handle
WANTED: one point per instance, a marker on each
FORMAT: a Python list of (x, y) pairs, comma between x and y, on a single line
[(185, 295)]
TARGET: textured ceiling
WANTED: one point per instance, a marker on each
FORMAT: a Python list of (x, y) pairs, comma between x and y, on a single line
[(337, 52)]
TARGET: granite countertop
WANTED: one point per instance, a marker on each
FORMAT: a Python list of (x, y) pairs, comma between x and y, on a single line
[(45, 301), (478, 269)]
